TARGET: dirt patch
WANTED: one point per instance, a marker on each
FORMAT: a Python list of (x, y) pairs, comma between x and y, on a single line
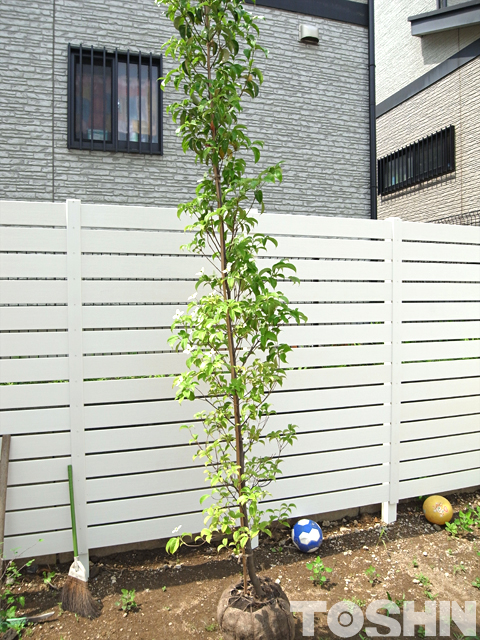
[(177, 598)]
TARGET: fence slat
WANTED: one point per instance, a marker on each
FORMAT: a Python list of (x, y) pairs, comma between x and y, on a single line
[(32, 239), (440, 330), (440, 427), (39, 214), (440, 389), (433, 291), (33, 292), (439, 483), (24, 396), (422, 272), (33, 318), (440, 408), (438, 370), (440, 465), (34, 370), (41, 343), (32, 265), (441, 351), (438, 447), (419, 311), (426, 252)]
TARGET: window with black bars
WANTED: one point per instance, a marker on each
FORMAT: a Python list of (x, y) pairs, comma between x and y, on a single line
[(423, 160), (114, 100)]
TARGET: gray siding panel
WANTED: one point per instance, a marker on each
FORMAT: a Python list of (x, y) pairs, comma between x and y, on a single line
[(312, 112), (26, 99)]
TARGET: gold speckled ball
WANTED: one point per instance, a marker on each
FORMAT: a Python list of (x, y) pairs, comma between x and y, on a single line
[(437, 509)]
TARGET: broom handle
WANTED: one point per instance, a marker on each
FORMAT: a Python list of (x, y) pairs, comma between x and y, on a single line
[(72, 511)]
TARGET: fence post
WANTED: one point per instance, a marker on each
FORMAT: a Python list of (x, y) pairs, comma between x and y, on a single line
[(389, 509), (75, 369)]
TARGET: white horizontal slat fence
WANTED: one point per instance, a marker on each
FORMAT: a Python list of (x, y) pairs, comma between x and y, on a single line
[(383, 381)]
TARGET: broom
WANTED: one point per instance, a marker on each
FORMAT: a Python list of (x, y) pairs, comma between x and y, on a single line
[(75, 594)]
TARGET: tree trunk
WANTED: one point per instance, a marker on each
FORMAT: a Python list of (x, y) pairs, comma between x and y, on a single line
[(247, 553)]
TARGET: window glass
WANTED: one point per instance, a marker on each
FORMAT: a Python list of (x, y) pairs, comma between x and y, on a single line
[(132, 119), (90, 115)]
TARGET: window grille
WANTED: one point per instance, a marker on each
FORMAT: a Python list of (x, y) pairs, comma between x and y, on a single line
[(428, 158), (114, 101)]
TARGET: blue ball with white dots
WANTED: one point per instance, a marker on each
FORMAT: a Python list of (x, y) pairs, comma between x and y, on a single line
[(307, 536)]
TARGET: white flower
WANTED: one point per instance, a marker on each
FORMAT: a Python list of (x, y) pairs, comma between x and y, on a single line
[(201, 272), (211, 353), (177, 529), (188, 349), (178, 314), (193, 296), (228, 268)]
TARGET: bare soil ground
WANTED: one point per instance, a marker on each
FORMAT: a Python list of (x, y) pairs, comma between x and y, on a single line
[(177, 597)]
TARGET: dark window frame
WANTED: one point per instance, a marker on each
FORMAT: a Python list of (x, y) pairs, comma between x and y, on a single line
[(81, 55), (428, 158)]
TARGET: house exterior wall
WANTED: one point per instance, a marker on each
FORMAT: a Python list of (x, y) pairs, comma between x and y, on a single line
[(452, 100), (402, 58), (312, 111)]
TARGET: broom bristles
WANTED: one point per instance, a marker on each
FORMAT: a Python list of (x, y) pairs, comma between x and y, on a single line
[(77, 598)]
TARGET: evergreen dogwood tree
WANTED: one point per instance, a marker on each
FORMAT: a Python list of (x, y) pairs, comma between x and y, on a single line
[(231, 327)]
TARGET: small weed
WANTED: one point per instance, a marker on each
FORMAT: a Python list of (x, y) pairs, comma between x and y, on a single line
[(372, 575), (421, 632), (415, 563), (452, 528), (398, 601), (350, 603), (164, 588), (127, 602), (476, 515), (476, 583), (318, 570), (277, 549), (358, 601), (383, 532), (423, 580), (460, 636), (457, 568), (9, 602), (467, 521), (48, 577), (450, 552), (427, 587), (211, 627)]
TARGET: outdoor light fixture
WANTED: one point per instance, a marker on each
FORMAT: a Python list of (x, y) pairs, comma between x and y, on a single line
[(308, 34)]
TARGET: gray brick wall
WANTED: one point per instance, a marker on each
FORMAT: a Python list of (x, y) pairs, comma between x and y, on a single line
[(400, 57), (453, 100), (312, 113), (26, 99)]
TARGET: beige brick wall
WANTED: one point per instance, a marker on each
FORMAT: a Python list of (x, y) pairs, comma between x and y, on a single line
[(402, 58), (453, 100)]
